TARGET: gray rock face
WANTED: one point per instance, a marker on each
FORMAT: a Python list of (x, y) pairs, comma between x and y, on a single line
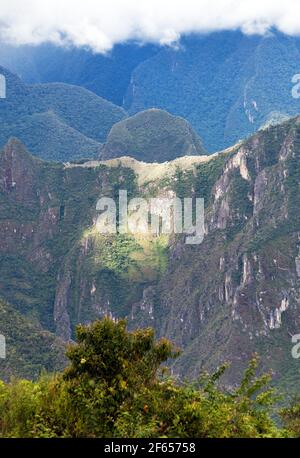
[(236, 293)]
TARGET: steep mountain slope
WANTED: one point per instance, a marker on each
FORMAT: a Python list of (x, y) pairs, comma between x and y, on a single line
[(152, 135), (106, 75), (226, 85), (50, 138), (78, 108), (238, 292), (235, 293), (30, 349), (45, 211), (56, 121)]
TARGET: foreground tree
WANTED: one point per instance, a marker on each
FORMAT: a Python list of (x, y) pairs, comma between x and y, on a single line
[(291, 417), (115, 386)]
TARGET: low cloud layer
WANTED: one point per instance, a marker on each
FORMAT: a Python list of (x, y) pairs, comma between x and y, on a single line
[(99, 24)]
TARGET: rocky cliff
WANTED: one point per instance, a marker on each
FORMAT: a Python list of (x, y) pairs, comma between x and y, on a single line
[(234, 294)]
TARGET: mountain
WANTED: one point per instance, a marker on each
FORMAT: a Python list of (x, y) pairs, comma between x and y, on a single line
[(225, 84), (30, 349), (56, 121), (234, 294), (152, 136), (107, 75)]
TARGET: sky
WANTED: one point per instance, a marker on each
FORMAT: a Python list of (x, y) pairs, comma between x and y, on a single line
[(99, 24)]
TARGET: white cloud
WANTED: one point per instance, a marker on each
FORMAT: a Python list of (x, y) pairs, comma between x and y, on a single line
[(100, 24)]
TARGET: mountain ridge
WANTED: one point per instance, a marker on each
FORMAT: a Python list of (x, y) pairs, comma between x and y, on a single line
[(234, 294), (152, 136), (56, 121), (225, 84)]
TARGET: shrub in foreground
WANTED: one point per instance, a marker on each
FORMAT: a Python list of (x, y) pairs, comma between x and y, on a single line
[(115, 386)]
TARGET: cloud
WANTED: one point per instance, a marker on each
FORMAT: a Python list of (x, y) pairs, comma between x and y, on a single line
[(99, 24)]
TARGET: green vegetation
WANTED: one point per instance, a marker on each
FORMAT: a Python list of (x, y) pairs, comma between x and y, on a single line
[(291, 417), (206, 176), (152, 136), (130, 256), (293, 183), (56, 269), (223, 84), (197, 181), (115, 386), (241, 206), (106, 74), (115, 252), (56, 121), (30, 349)]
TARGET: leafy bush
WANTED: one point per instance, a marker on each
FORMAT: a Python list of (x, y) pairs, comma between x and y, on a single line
[(291, 417), (115, 387)]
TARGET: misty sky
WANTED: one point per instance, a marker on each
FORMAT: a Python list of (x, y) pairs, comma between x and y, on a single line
[(100, 24)]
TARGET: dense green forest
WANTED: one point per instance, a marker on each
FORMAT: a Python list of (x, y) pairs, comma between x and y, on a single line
[(115, 386), (56, 121)]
